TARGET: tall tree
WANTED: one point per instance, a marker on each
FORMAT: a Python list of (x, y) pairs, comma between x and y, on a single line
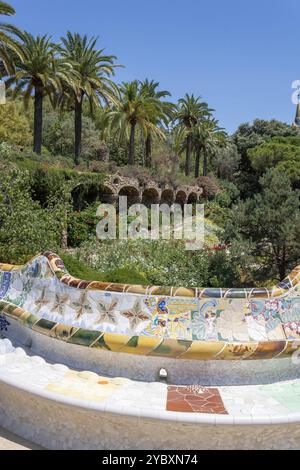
[(39, 72), (94, 70), (268, 225), (207, 139), (135, 109), (162, 113), (9, 45), (190, 111), (248, 136)]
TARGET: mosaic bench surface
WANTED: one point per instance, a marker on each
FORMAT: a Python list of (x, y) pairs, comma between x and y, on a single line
[(261, 404)]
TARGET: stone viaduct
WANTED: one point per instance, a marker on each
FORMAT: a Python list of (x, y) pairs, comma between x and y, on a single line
[(147, 193)]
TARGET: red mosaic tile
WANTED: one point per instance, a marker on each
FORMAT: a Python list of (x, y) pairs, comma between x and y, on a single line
[(195, 399)]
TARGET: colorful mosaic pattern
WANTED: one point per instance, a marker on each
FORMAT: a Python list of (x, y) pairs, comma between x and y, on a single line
[(173, 322)]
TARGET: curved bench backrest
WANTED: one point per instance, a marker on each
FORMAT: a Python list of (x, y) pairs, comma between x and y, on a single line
[(141, 319)]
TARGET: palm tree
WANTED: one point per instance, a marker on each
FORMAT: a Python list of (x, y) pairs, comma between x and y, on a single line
[(40, 72), (9, 46), (135, 109), (161, 115), (208, 137), (190, 111), (94, 71)]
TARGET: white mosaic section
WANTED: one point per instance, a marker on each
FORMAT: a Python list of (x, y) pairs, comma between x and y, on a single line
[(60, 408)]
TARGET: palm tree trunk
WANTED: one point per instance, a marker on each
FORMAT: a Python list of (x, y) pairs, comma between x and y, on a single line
[(78, 128), (149, 152), (197, 165), (188, 155), (132, 144), (38, 120), (204, 163)]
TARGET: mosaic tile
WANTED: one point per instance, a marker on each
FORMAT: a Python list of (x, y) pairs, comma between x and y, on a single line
[(287, 394), (235, 351), (63, 332), (84, 337), (115, 342), (44, 326), (171, 348), (290, 349), (250, 401), (268, 350), (195, 399), (100, 344), (5, 279), (141, 345), (203, 350), (95, 388)]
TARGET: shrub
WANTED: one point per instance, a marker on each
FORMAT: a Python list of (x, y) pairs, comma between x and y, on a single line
[(14, 126), (80, 270), (82, 225), (160, 262), (210, 187), (25, 228)]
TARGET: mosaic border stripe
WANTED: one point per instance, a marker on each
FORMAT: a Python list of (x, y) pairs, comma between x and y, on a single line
[(152, 346)]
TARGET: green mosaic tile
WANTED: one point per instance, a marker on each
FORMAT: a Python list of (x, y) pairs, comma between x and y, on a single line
[(133, 343), (31, 320), (84, 337), (100, 344), (44, 326), (287, 394), (171, 348)]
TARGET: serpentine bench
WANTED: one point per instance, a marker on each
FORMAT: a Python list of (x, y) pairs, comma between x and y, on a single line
[(211, 336), (90, 373)]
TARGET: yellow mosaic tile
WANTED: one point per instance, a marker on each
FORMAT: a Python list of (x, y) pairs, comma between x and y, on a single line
[(171, 348), (141, 345), (84, 387), (116, 342), (203, 350), (237, 351)]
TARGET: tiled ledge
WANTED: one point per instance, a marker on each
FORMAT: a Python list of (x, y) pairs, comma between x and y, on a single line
[(277, 403), (65, 277)]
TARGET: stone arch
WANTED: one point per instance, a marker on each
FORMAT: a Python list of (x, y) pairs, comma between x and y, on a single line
[(132, 193), (167, 197), (192, 198), (150, 196), (107, 195), (85, 194), (181, 197)]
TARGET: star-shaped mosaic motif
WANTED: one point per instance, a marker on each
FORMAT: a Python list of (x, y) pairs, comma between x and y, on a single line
[(82, 305), (60, 303), (42, 301), (107, 312), (136, 315)]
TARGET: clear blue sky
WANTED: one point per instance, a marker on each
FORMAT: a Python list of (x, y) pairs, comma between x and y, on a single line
[(240, 56)]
